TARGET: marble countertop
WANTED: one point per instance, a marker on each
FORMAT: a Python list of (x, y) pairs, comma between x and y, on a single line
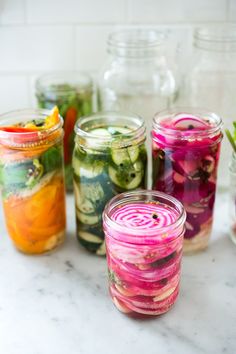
[(59, 303)]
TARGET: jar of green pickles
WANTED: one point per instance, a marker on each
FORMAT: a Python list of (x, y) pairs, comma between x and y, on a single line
[(109, 158), (73, 94)]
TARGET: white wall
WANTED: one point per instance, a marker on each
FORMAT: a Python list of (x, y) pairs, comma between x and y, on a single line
[(38, 36)]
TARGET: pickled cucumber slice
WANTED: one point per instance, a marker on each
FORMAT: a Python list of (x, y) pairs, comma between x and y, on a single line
[(120, 156), (83, 204), (101, 251), (88, 237), (87, 170), (128, 176), (87, 219)]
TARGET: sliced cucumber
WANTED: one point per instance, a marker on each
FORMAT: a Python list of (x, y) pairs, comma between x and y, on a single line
[(87, 219), (128, 176), (87, 236), (87, 170), (101, 251), (83, 204), (120, 156)]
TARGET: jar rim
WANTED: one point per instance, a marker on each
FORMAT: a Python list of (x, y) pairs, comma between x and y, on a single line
[(131, 197), (132, 42), (217, 38), (216, 33), (105, 119), (23, 139), (213, 130), (48, 82)]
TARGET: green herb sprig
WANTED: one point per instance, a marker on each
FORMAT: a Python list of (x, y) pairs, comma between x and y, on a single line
[(232, 138)]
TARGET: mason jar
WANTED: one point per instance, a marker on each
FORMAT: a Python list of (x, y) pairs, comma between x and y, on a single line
[(32, 179), (72, 93), (144, 240), (186, 149), (109, 158), (211, 80), (137, 76), (232, 198)]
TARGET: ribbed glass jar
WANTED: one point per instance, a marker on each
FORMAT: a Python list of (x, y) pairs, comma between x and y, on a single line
[(109, 158), (144, 239)]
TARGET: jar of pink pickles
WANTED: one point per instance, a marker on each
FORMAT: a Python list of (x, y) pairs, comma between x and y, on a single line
[(185, 152), (144, 240)]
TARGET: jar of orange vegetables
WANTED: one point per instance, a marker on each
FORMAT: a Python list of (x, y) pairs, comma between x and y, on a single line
[(32, 179)]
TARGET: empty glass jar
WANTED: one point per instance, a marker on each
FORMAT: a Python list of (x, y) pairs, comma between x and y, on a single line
[(211, 82)]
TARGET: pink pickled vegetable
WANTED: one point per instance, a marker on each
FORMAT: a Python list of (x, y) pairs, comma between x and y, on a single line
[(186, 151), (144, 240)]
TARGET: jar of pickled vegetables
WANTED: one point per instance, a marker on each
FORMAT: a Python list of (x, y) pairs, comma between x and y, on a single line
[(109, 158), (72, 93), (232, 196), (186, 148), (144, 240), (32, 179)]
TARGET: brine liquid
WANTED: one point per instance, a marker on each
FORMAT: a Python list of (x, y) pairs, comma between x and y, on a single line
[(144, 276)]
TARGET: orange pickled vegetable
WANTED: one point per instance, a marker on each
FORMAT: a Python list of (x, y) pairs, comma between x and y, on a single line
[(36, 223)]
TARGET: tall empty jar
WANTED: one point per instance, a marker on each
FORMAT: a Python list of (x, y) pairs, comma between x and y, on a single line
[(137, 76), (211, 82)]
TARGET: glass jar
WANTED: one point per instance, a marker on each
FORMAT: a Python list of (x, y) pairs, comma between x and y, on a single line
[(232, 198), (211, 81), (32, 181), (186, 148), (72, 93), (137, 76), (109, 158), (144, 239)]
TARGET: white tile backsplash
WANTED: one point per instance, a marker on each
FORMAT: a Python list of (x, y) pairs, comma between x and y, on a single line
[(162, 11), (91, 46), (13, 92), (39, 36), (232, 10), (28, 48), (75, 11), (12, 12)]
